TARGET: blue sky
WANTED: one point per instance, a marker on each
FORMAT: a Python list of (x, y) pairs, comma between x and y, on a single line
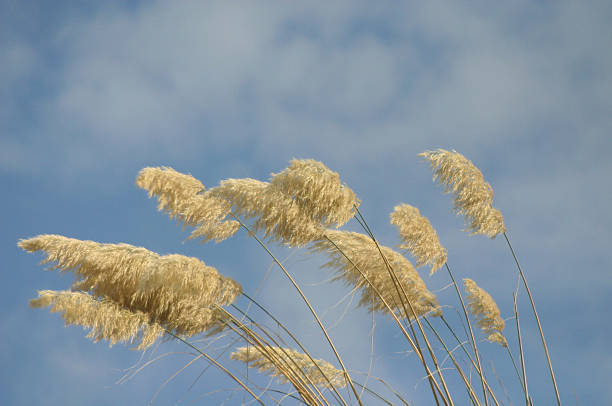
[(91, 93)]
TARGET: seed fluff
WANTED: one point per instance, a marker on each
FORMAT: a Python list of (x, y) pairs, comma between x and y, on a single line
[(419, 237), (473, 196), (485, 310), (362, 251), (178, 292), (272, 360)]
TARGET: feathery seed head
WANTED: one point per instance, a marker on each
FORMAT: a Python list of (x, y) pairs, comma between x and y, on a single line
[(485, 310), (274, 212), (318, 191), (172, 188), (184, 197), (419, 237), (293, 208), (189, 278), (362, 251), (473, 196), (106, 319), (274, 360), (246, 195), (177, 292)]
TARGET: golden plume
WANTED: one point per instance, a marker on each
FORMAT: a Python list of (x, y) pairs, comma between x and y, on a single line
[(178, 292), (275, 361), (364, 255), (485, 310), (106, 319), (473, 196), (419, 237), (184, 197)]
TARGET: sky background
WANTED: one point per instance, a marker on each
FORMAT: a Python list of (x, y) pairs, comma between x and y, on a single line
[(93, 92)]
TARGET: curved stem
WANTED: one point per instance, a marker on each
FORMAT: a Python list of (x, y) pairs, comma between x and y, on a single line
[(314, 313), (520, 343), (457, 366), (281, 325), (283, 364), (276, 343), (550, 368), (462, 345), (214, 361), (416, 349), (480, 371), (401, 292)]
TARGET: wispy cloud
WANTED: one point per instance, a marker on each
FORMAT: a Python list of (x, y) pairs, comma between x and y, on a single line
[(154, 77)]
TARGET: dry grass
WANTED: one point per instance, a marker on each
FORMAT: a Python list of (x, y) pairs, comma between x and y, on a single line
[(126, 293)]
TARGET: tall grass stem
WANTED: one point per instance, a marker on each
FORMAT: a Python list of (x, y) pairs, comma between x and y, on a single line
[(314, 313), (550, 368)]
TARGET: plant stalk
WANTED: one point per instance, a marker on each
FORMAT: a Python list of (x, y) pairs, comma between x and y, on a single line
[(550, 368)]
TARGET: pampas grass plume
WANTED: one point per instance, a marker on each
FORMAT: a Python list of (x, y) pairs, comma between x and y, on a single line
[(363, 254), (106, 319), (257, 358), (318, 191), (175, 291), (295, 206), (184, 197), (485, 310), (473, 196), (419, 237)]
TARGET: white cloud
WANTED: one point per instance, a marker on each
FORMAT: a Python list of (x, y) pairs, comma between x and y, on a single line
[(167, 74)]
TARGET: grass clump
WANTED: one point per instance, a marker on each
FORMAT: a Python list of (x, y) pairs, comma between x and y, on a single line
[(129, 294)]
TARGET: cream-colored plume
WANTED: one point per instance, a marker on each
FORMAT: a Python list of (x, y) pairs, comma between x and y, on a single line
[(177, 292), (296, 206), (273, 212), (275, 360), (106, 319), (184, 197), (318, 191), (485, 310), (419, 237), (172, 188), (362, 251), (473, 196)]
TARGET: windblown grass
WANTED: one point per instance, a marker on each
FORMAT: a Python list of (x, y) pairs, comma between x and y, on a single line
[(129, 294)]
